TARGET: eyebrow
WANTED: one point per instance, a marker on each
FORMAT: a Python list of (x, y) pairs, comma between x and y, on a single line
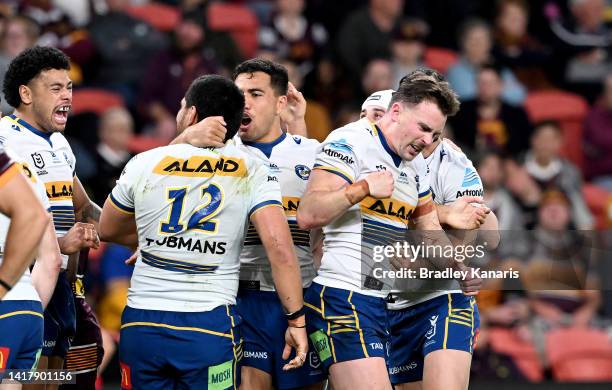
[(425, 127), (251, 90)]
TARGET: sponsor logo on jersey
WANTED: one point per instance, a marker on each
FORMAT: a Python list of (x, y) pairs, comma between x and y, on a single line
[(341, 145), (470, 178), (27, 172), (272, 178), (59, 190), (201, 166), (297, 140), (189, 244), (400, 369), (477, 192), (340, 156), (38, 160), (390, 208), (302, 171), (255, 354), (290, 205), (313, 360), (220, 376), (274, 168), (403, 178)]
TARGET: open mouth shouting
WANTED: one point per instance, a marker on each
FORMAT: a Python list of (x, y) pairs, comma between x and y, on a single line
[(60, 114), (245, 123)]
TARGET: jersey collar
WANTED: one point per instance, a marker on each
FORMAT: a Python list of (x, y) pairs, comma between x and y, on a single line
[(266, 147), (397, 160), (42, 134)]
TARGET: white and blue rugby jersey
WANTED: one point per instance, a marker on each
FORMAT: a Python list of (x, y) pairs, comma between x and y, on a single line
[(352, 152), (290, 158), (451, 175), (23, 289), (51, 158), (192, 207)]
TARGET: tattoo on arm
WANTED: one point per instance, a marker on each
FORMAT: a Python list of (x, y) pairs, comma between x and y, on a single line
[(91, 212)]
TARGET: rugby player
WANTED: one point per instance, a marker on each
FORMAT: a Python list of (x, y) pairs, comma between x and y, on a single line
[(180, 326), (290, 157), (37, 85), (376, 105), (363, 187), (23, 223)]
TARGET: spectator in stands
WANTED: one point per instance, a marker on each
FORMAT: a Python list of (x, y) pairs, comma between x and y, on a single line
[(597, 139), (407, 47), (377, 76), (476, 44), (19, 33), (560, 277), (366, 34), (496, 196), (515, 48), (488, 122), (116, 130), (170, 72), (293, 37), (123, 44), (584, 44), (544, 169)]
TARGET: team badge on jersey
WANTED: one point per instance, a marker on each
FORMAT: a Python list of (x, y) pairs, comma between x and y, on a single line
[(302, 171), (38, 160)]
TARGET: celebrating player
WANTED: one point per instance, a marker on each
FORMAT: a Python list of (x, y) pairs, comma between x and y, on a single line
[(180, 326), (375, 106)]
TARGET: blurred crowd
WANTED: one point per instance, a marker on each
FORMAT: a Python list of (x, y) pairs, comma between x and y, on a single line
[(535, 81)]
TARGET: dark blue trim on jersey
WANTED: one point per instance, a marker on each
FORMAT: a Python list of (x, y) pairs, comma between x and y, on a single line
[(120, 205), (422, 194), (176, 265), (266, 147), (263, 204), (322, 167), (45, 136), (397, 160)]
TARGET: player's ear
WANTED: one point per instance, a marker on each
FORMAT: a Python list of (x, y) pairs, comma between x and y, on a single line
[(26, 94), (192, 115), (281, 104), (395, 109)]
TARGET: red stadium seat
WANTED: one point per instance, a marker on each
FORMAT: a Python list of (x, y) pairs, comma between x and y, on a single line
[(141, 143), (597, 199), (440, 59), (566, 108), (94, 100), (237, 20), (523, 353), (580, 355), (161, 16)]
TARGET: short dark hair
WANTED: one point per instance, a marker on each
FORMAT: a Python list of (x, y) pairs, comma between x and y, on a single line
[(27, 66), (279, 79), (426, 84), (493, 67), (213, 95)]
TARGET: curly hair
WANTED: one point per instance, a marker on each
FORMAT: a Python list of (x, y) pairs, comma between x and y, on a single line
[(26, 66)]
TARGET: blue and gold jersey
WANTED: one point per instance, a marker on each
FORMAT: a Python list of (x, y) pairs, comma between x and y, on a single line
[(192, 207), (50, 157), (352, 152), (290, 158)]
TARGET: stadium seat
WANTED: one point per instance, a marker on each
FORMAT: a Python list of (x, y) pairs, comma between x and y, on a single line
[(161, 16), (94, 100), (439, 58), (569, 110), (141, 143), (580, 355), (523, 353), (597, 199), (239, 21)]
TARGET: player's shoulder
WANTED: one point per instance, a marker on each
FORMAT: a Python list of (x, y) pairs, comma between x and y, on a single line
[(301, 142), (356, 134), (9, 130), (449, 154)]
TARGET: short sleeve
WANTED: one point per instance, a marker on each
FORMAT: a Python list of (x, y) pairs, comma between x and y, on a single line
[(460, 180), (122, 196), (337, 155), (264, 188)]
